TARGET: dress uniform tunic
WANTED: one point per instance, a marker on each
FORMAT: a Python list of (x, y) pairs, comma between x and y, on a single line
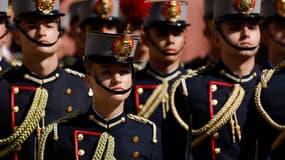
[(135, 138), (264, 135), (208, 92), (67, 92)]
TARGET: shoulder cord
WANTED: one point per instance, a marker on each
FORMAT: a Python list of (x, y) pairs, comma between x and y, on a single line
[(52, 127), (219, 119), (22, 132), (146, 121), (265, 78), (158, 95), (190, 73)]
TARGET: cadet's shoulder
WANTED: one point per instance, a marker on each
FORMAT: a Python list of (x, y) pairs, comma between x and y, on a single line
[(74, 73)]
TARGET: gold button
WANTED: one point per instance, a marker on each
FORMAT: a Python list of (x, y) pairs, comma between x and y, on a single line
[(26, 76), (0, 68), (90, 92), (68, 91), (16, 109), (254, 74), (123, 119), (216, 135), (214, 102), (16, 90), (81, 152), (140, 106), (57, 75), (80, 137), (214, 88), (91, 117), (217, 150), (136, 154), (136, 139), (69, 109), (222, 72), (140, 91)]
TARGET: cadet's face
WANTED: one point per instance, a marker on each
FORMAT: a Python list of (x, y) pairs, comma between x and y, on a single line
[(277, 31), (3, 31), (242, 34), (168, 40), (42, 30), (117, 77)]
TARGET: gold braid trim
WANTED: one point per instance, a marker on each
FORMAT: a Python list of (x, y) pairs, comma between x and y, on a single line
[(158, 95), (222, 117), (105, 148), (146, 121), (35, 113), (52, 127), (190, 73), (265, 78)]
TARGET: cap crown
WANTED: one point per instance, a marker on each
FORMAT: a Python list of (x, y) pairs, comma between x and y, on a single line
[(116, 48), (273, 8), (100, 9), (167, 12), (237, 8)]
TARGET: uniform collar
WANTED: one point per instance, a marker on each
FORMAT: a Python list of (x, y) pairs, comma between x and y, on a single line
[(172, 75), (28, 75), (107, 124), (225, 72)]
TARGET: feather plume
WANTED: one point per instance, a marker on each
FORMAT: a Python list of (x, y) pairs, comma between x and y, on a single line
[(135, 10)]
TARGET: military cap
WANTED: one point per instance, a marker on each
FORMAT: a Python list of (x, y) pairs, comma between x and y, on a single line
[(237, 9), (167, 12), (100, 10), (3, 8), (32, 8), (208, 9), (110, 48), (272, 8)]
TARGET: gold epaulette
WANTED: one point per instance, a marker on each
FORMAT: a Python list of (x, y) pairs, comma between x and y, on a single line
[(145, 121), (73, 72)]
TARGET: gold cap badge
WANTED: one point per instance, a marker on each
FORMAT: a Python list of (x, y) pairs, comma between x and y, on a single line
[(171, 10), (104, 8), (122, 46), (244, 6), (45, 6), (280, 7)]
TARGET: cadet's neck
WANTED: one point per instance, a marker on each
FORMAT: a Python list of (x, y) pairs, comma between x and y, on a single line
[(41, 67), (240, 67), (164, 68), (108, 109)]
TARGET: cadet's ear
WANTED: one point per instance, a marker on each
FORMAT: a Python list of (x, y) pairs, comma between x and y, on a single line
[(216, 38), (144, 38), (17, 37), (87, 78)]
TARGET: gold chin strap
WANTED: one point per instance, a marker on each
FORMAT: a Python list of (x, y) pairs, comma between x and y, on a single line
[(105, 148), (30, 123), (265, 78)]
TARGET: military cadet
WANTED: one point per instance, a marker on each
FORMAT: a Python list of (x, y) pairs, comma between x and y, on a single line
[(106, 131), (95, 15), (218, 96), (3, 33), (38, 92), (214, 54), (165, 35), (273, 31), (264, 134)]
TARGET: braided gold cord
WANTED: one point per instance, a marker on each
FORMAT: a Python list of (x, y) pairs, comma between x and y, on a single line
[(105, 140), (109, 155), (35, 113), (236, 101), (51, 127), (154, 100), (266, 76), (190, 73)]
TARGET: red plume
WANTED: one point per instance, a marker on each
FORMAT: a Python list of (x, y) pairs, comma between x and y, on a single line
[(135, 10)]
